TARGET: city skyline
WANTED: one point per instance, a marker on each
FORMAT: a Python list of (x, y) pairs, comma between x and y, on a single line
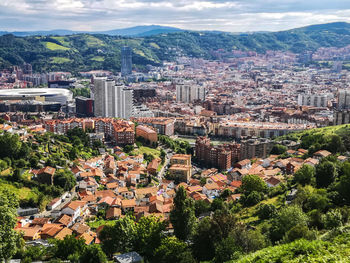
[(231, 16)]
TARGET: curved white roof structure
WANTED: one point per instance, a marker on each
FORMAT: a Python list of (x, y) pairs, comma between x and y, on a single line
[(55, 95)]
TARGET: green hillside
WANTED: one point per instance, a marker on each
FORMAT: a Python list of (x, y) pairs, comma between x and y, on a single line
[(81, 50)]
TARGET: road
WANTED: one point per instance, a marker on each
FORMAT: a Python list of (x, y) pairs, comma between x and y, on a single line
[(168, 156)]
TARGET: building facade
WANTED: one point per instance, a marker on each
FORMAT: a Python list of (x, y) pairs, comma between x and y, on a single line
[(112, 100), (126, 61)]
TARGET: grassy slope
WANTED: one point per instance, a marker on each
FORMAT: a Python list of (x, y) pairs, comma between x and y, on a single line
[(337, 250)]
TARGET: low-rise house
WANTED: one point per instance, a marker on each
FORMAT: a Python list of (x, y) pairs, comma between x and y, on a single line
[(79, 228), (153, 166), (211, 190), (65, 220), (45, 175), (128, 205), (321, 154), (272, 181), (74, 209), (244, 164), (63, 233), (311, 161), (30, 233), (54, 203), (113, 213)]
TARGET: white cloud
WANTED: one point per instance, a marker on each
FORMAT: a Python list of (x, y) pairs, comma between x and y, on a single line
[(234, 15)]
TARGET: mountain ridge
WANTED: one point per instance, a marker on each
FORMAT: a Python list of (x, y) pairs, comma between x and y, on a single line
[(83, 51)]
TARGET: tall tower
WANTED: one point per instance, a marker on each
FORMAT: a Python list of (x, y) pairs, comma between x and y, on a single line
[(126, 60)]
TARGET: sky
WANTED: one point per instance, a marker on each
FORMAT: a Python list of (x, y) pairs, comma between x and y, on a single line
[(224, 15)]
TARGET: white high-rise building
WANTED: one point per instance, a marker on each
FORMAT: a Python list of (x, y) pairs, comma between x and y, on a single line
[(343, 99), (112, 100), (313, 100), (188, 92)]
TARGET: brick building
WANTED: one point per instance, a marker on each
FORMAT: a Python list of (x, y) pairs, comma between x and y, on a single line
[(221, 156), (119, 131), (146, 132)]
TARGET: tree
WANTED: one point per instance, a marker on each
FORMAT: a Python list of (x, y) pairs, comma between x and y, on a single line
[(203, 241), (252, 199), (3, 165), (252, 183), (266, 211), (173, 250), (278, 149), (68, 248), (286, 218), (93, 254), (182, 216), (248, 240), (332, 219), (148, 235), (325, 174), (227, 249), (128, 148), (335, 144), (297, 232), (201, 206), (343, 185), (210, 231), (120, 237), (9, 238), (305, 175), (64, 179)]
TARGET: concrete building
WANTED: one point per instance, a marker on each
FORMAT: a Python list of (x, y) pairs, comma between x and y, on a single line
[(313, 100), (255, 148), (343, 99), (184, 159), (112, 100), (188, 92), (84, 107), (341, 117), (126, 60), (180, 172)]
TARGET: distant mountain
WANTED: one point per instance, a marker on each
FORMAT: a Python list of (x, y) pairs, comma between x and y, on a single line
[(130, 31), (155, 44), (141, 31)]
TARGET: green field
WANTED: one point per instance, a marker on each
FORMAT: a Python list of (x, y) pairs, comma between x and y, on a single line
[(147, 150), (154, 45), (54, 46), (92, 41), (59, 60), (98, 58), (23, 193), (100, 222), (62, 40)]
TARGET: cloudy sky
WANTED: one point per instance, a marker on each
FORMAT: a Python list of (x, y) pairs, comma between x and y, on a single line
[(226, 15)]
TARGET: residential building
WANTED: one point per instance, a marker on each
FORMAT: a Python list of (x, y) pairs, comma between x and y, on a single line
[(146, 132), (188, 92), (180, 172), (313, 100), (84, 107), (255, 148), (112, 100)]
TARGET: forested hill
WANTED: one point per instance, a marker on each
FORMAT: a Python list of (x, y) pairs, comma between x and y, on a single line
[(81, 52)]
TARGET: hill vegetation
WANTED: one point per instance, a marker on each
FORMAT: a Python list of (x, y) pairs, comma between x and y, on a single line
[(81, 52)]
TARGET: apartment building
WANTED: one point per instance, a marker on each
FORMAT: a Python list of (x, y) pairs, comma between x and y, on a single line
[(120, 132), (147, 132)]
